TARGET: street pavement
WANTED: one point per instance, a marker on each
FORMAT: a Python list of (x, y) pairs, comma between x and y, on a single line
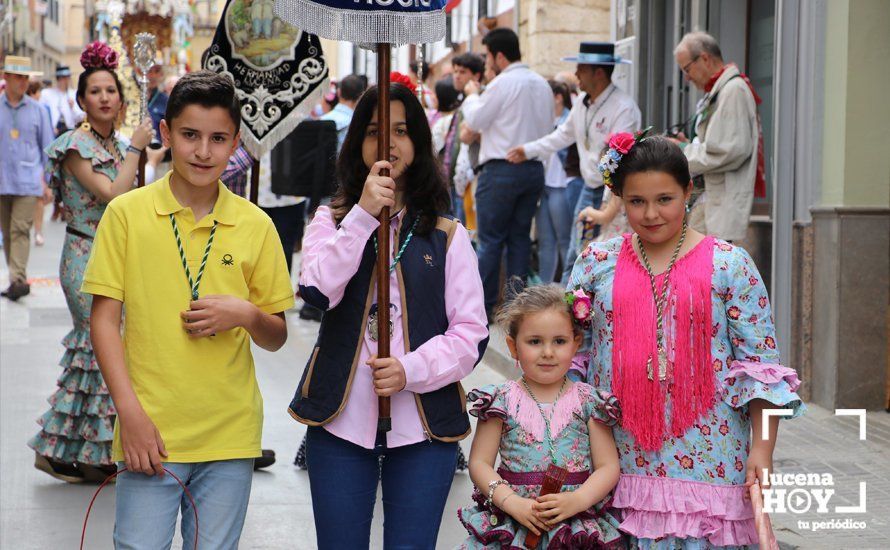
[(38, 512)]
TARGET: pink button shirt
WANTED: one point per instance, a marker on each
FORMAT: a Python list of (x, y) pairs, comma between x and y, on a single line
[(331, 256)]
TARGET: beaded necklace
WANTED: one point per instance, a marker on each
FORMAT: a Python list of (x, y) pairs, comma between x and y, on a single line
[(660, 304)]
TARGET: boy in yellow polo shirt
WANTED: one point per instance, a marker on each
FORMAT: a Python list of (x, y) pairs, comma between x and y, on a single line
[(201, 272)]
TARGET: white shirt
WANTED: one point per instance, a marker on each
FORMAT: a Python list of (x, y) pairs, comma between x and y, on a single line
[(62, 104), (611, 112), (517, 107)]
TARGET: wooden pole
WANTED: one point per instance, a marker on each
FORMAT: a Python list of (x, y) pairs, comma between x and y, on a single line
[(384, 422), (142, 159), (255, 182)]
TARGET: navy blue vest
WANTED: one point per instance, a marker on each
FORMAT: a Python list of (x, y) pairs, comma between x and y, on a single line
[(327, 379)]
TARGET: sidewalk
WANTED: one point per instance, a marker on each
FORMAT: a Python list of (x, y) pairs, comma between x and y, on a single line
[(38, 512)]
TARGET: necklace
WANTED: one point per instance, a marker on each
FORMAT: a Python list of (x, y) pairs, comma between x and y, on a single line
[(589, 121), (660, 304), (402, 248), (193, 285), (547, 435), (103, 141)]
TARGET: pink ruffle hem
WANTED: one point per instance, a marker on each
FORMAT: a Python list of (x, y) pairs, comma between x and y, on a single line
[(655, 507)]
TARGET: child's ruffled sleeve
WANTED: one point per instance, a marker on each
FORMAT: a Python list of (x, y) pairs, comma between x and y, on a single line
[(756, 371), (488, 402), (600, 405)]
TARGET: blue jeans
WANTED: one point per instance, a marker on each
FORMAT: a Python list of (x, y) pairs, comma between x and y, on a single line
[(554, 225), (457, 206), (146, 506), (573, 190), (589, 197), (343, 478), (506, 200)]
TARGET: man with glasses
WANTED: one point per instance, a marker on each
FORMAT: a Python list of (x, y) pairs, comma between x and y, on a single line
[(726, 146)]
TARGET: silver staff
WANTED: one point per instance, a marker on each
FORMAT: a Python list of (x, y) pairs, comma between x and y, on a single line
[(144, 58)]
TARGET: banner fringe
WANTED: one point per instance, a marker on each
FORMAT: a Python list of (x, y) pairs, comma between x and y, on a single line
[(361, 27)]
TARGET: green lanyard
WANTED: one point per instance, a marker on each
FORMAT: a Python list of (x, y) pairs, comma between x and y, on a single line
[(193, 285), (404, 245)]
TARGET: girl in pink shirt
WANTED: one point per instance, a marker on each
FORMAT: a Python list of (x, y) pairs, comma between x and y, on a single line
[(438, 334)]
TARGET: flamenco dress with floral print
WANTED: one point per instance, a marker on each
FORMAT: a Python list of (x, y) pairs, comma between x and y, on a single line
[(683, 441), (525, 457), (78, 427)]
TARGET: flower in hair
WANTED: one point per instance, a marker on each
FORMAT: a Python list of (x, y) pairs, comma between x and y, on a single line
[(620, 144), (98, 55), (403, 79), (581, 305)]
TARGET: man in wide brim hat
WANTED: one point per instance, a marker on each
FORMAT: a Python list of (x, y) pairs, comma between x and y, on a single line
[(597, 53), (24, 135), (18, 65), (602, 110)]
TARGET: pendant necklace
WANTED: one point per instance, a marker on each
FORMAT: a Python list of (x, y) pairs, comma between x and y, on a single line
[(14, 131), (660, 305), (547, 435), (373, 325), (590, 120)]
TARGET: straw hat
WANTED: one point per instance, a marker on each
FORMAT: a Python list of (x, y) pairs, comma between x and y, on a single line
[(19, 65)]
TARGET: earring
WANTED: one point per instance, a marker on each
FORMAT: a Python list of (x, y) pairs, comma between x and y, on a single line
[(688, 208), (85, 126), (518, 367)]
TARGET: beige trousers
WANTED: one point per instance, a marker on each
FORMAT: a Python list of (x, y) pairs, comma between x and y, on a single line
[(16, 219)]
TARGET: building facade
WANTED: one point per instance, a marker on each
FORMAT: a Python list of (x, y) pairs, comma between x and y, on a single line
[(822, 234)]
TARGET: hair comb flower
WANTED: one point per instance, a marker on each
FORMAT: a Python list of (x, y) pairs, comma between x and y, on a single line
[(403, 79), (620, 144), (581, 306), (98, 55)]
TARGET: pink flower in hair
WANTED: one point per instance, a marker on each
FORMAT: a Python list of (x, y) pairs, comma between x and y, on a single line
[(622, 142), (98, 55), (581, 307)]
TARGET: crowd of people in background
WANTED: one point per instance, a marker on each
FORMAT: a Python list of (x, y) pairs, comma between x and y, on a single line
[(512, 175)]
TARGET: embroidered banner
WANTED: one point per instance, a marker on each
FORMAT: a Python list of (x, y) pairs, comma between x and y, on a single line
[(275, 67), (368, 22)]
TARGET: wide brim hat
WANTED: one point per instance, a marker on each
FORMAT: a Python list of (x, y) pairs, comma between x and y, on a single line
[(597, 53), (16, 64)]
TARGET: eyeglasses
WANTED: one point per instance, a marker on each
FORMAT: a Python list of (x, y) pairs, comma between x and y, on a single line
[(685, 68)]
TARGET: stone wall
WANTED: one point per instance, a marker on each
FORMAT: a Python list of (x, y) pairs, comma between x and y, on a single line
[(552, 29)]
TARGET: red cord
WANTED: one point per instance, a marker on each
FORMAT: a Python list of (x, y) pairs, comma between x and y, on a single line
[(83, 533)]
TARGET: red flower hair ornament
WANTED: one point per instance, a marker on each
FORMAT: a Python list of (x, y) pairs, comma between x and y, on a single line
[(403, 79), (620, 144), (98, 55)]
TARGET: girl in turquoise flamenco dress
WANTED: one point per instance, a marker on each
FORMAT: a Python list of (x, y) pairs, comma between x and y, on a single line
[(543, 425), (88, 167)]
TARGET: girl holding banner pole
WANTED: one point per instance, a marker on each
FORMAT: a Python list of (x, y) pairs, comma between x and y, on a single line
[(438, 334)]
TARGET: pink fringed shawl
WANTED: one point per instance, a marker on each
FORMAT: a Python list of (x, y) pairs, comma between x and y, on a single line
[(690, 379)]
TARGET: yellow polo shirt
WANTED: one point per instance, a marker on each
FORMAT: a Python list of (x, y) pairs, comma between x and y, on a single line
[(202, 394)]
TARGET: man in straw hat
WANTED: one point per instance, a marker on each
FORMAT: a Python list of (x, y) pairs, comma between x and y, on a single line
[(25, 132), (602, 110)]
